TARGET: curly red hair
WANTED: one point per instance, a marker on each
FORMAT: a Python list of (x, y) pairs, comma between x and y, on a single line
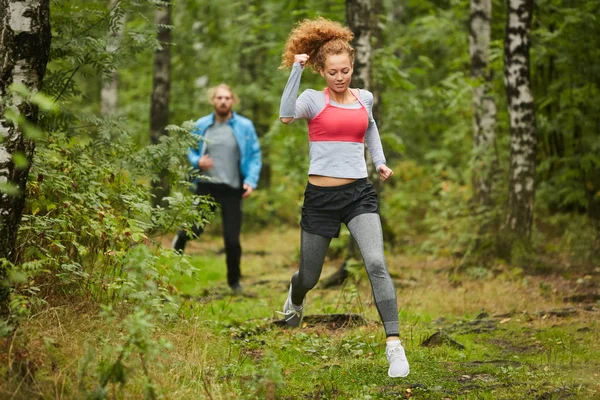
[(318, 38)]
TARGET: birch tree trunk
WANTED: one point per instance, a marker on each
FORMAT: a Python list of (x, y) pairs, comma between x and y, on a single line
[(485, 160), (358, 19), (523, 141), (24, 48), (161, 88), (361, 18), (110, 86)]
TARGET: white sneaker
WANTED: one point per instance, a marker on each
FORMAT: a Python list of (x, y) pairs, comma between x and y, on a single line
[(292, 314), (398, 363)]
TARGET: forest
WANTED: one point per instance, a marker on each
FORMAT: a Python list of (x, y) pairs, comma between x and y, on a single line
[(489, 116)]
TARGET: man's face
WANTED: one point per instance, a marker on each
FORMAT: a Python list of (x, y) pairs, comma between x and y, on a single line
[(222, 102)]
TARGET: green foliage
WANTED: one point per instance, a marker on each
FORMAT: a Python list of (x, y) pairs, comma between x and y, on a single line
[(565, 67), (422, 73), (89, 231), (423, 70)]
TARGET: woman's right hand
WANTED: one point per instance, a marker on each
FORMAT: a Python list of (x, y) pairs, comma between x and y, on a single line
[(301, 58)]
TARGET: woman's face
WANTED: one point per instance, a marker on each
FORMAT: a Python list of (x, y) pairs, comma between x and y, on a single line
[(338, 72)]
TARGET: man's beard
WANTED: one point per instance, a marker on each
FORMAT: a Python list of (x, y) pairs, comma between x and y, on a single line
[(222, 111)]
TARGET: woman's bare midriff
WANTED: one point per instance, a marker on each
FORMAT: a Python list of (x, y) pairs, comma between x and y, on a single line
[(320, 180)]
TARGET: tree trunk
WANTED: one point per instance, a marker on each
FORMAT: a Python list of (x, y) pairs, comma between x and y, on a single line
[(252, 65), (485, 160), (161, 88), (110, 84), (361, 18), (519, 213), (358, 18), (24, 49)]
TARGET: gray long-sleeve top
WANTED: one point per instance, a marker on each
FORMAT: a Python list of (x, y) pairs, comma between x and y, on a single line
[(336, 136)]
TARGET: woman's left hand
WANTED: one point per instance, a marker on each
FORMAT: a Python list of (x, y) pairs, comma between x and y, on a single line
[(385, 173)]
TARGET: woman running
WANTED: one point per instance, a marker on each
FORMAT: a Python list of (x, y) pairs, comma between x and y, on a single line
[(340, 120)]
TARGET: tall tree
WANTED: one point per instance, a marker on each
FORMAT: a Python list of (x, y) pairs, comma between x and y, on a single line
[(362, 18), (161, 89), (358, 19), (110, 85), (253, 59), (519, 213), (24, 50), (484, 106)]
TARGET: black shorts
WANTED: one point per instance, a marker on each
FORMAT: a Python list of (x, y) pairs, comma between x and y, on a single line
[(325, 208)]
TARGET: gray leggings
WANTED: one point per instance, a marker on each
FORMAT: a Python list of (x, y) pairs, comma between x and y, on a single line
[(366, 230)]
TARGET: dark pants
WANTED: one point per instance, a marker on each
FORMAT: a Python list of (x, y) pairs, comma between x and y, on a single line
[(230, 200)]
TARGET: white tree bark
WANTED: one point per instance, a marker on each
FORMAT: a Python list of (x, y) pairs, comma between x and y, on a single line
[(358, 13), (484, 107), (24, 49), (360, 19), (521, 108), (110, 86)]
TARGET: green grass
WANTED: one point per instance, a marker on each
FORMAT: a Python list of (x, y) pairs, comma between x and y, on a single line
[(226, 346)]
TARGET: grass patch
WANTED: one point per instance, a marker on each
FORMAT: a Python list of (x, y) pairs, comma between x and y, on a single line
[(520, 339)]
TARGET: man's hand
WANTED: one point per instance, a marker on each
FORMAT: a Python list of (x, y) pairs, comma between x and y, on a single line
[(205, 163), (385, 173), (247, 191)]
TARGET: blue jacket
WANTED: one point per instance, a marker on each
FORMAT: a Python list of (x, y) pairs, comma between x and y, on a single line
[(245, 136)]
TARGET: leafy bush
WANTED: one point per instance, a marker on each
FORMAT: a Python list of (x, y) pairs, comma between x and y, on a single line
[(89, 232)]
